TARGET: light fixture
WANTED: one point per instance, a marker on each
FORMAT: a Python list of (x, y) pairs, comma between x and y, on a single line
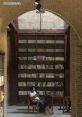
[(39, 10), (38, 7), (37, 2)]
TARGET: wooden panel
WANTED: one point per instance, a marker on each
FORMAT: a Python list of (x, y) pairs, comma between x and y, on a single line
[(44, 89), (47, 46), (22, 62), (30, 54), (41, 79), (41, 71)]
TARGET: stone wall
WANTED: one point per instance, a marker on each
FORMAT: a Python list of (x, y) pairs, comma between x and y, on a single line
[(3, 47)]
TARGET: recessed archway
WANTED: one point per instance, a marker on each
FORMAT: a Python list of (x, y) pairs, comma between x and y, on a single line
[(54, 6), (53, 22)]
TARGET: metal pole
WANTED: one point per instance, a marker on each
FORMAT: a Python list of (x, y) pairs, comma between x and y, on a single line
[(40, 21)]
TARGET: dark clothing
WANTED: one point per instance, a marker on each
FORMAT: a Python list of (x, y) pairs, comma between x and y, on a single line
[(42, 105), (69, 106)]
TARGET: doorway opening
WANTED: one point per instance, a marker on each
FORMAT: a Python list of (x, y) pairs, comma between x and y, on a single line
[(40, 57)]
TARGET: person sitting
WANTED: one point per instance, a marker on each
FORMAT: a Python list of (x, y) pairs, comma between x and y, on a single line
[(43, 104)]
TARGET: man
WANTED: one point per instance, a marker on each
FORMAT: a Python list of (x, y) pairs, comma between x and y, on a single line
[(35, 98)]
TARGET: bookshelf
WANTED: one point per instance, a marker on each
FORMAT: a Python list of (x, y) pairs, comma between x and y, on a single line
[(41, 63), (39, 59)]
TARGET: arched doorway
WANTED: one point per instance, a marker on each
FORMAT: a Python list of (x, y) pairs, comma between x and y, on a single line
[(75, 42), (55, 23)]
